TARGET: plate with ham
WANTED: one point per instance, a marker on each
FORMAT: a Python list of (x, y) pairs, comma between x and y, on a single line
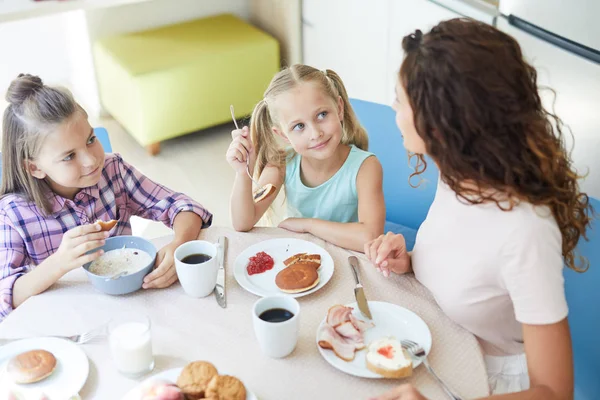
[(344, 335), (257, 267)]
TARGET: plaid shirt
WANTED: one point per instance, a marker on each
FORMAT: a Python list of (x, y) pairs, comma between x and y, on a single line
[(28, 237)]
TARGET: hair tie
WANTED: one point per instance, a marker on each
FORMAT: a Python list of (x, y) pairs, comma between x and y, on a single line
[(413, 41)]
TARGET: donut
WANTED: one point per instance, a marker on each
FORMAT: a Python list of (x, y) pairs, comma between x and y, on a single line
[(106, 226), (297, 278), (31, 366)]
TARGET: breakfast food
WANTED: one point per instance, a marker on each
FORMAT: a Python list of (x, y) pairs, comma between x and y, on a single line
[(160, 390), (260, 263), (297, 278), (194, 379), (311, 259), (225, 387), (106, 225), (263, 192), (342, 332), (31, 366), (120, 260), (387, 358)]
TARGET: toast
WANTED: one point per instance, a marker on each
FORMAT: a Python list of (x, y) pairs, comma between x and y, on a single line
[(263, 192), (304, 258), (106, 225)]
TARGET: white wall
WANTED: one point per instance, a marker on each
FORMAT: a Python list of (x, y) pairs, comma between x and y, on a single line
[(58, 47), (130, 18), (37, 47)]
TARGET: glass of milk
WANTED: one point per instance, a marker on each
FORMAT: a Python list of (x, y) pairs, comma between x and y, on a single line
[(130, 342)]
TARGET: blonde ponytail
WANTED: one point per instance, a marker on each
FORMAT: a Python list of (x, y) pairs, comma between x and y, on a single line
[(354, 133), (265, 142)]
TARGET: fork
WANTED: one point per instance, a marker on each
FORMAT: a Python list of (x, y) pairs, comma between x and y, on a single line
[(418, 353), (78, 339), (248, 159)]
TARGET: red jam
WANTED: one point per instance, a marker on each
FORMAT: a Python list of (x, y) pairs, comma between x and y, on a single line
[(260, 263), (387, 352)]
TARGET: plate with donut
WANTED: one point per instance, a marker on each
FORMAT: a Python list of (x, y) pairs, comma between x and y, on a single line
[(294, 267), (54, 367), (197, 380)]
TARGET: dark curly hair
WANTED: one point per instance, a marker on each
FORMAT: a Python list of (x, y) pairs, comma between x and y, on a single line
[(477, 108)]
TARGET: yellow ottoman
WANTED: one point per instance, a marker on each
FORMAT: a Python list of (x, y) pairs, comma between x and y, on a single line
[(169, 81)]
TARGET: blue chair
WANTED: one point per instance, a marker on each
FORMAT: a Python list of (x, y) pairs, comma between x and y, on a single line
[(406, 207), (583, 298), (102, 136), (100, 133)]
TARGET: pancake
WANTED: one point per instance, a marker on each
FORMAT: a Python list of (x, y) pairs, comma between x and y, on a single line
[(297, 278)]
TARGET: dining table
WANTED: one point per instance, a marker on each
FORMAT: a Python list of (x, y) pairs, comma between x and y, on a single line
[(186, 329)]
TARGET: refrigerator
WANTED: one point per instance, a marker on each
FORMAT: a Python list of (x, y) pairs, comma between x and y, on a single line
[(561, 38)]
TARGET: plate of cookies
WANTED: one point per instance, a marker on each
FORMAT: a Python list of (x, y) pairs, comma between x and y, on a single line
[(283, 266), (56, 368), (197, 380)]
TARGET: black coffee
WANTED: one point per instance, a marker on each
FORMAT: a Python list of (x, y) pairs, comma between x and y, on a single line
[(196, 258), (276, 315)]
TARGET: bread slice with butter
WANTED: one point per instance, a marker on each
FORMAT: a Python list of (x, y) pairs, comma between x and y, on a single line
[(387, 358)]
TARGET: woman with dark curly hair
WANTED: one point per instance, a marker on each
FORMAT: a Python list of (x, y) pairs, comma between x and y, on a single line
[(508, 211)]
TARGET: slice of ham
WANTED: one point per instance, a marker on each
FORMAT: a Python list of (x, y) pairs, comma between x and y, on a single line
[(342, 347), (349, 331), (338, 315), (360, 325)]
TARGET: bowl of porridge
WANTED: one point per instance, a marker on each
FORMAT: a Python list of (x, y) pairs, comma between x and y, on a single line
[(123, 266)]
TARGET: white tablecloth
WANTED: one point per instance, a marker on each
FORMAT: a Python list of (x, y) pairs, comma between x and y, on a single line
[(185, 329)]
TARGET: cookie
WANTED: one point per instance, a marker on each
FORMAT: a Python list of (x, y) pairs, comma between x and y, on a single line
[(194, 379), (225, 387)]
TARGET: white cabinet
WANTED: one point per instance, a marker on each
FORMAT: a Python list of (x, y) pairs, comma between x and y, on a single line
[(349, 37), (361, 40)]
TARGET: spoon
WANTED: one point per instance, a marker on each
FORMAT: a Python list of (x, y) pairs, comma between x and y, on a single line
[(248, 158)]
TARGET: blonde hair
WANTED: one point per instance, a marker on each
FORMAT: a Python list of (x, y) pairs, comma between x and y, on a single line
[(34, 111), (263, 117)]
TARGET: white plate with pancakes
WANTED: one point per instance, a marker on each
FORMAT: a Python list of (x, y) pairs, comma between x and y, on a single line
[(67, 379), (170, 375), (390, 320), (263, 284)]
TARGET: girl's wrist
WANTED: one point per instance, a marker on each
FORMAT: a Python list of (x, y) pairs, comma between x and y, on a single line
[(55, 268)]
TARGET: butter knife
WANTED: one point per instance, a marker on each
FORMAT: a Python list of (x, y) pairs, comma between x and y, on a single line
[(359, 291), (220, 286)]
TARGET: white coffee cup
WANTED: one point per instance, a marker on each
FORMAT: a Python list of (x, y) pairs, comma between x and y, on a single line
[(276, 339), (197, 280)]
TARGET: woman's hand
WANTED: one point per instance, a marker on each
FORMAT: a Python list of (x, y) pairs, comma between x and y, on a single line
[(299, 225), (402, 392), (240, 149), (164, 274), (75, 245), (388, 253)]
